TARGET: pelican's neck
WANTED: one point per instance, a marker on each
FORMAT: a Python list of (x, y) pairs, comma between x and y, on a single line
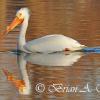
[(22, 40)]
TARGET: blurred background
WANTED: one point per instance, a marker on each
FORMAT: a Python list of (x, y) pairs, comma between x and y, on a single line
[(78, 19)]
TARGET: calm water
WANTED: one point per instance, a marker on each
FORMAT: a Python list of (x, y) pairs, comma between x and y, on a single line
[(45, 76)]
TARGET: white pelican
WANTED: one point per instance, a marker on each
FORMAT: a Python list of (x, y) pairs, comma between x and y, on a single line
[(46, 44)]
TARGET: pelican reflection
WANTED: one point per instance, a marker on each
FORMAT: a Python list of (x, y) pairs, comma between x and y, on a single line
[(55, 59)]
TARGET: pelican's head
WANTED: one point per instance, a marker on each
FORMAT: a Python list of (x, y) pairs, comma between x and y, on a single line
[(21, 15)]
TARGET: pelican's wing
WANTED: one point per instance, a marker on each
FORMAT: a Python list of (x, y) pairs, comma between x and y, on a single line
[(52, 43)]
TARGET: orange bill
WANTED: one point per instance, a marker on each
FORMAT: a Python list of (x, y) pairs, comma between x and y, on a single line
[(14, 23)]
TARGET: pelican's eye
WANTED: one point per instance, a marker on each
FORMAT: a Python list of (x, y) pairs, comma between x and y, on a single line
[(19, 15)]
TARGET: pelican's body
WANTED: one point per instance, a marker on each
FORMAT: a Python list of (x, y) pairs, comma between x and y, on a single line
[(52, 43), (46, 44)]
